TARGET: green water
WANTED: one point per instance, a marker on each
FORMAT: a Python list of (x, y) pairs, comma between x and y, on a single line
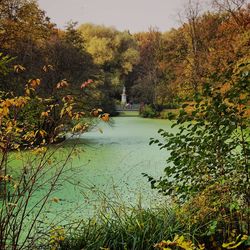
[(109, 167)]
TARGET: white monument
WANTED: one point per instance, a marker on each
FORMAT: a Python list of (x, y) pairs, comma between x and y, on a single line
[(124, 97)]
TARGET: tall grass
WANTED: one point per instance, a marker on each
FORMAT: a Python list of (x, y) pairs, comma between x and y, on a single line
[(121, 227)]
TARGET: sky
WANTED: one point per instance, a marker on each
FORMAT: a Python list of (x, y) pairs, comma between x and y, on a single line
[(132, 15)]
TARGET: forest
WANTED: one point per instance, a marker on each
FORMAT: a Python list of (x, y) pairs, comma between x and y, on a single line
[(55, 82)]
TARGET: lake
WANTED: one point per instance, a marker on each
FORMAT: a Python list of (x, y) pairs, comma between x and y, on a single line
[(108, 169)]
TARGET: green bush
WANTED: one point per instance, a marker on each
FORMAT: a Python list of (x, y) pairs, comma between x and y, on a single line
[(208, 169), (149, 111), (212, 144), (168, 114)]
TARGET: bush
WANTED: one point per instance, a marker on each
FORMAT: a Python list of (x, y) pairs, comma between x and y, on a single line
[(212, 145), (156, 110), (21, 128), (214, 216), (149, 111), (29, 122), (209, 167), (169, 114)]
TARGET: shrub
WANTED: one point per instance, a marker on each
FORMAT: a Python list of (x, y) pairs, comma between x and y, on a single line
[(28, 122), (149, 111), (209, 166), (214, 216), (212, 145)]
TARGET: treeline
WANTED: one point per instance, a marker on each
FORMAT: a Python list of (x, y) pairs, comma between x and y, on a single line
[(39, 50), (156, 67), (178, 62)]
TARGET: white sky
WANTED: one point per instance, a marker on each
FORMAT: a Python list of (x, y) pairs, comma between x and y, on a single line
[(133, 15)]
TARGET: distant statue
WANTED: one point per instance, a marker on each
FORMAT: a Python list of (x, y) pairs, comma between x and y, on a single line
[(124, 97)]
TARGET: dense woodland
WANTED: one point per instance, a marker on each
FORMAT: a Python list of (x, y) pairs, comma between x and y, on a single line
[(53, 81), (155, 67)]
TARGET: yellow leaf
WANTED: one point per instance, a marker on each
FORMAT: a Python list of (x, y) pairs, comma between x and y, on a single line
[(19, 68), (244, 237), (42, 133), (55, 199), (27, 91), (5, 111), (105, 117), (44, 114)]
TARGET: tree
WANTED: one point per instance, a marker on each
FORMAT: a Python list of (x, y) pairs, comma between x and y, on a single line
[(146, 73), (172, 66), (196, 46), (24, 29), (115, 53), (22, 20), (236, 9)]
